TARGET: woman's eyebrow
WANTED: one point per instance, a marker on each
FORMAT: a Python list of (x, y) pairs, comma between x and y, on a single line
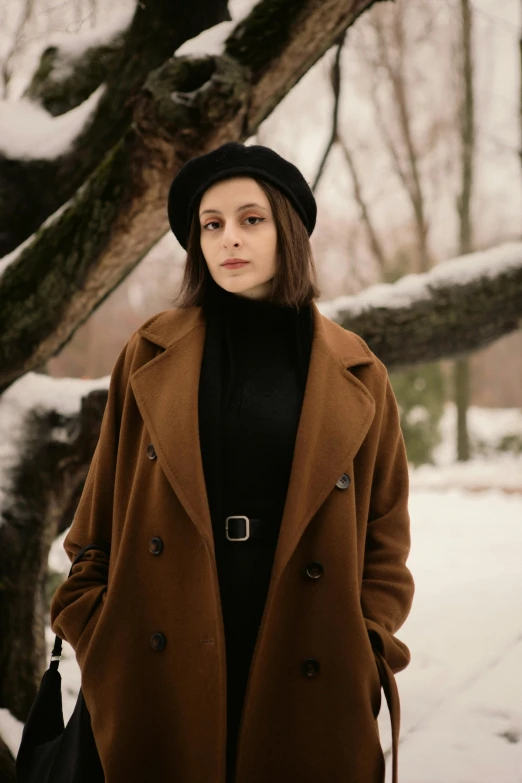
[(243, 206)]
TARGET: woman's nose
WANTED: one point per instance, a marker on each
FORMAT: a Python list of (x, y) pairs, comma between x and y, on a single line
[(230, 235)]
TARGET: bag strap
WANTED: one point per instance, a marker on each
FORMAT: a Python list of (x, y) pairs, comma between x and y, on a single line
[(57, 649), (392, 697)]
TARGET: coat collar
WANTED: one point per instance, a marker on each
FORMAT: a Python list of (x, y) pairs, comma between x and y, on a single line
[(336, 414)]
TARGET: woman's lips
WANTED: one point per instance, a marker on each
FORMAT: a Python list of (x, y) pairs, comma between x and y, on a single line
[(235, 264)]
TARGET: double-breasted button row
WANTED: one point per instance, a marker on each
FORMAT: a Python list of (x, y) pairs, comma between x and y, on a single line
[(311, 666), (314, 570)]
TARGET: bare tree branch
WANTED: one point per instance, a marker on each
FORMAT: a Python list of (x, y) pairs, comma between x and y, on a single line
[(375, 242), (457, 307), (409, 175), (335, 79)]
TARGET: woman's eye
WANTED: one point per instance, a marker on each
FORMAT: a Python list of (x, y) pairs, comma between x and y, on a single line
[(216, 222)]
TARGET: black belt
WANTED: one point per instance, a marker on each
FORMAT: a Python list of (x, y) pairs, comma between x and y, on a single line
[(242, 528)]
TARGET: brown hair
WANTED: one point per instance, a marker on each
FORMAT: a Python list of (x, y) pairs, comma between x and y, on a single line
[(295, 279)]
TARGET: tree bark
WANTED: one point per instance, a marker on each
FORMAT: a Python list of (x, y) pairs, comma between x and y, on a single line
[(187, 107), (457, 307), (32, 190), (58, 95)]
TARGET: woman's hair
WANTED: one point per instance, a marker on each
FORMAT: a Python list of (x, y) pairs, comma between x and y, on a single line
[(295, 279)]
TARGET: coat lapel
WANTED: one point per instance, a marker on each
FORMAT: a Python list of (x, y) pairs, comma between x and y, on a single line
[(336, 414)]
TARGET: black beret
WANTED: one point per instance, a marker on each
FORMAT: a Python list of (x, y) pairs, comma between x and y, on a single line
[(231, 160)]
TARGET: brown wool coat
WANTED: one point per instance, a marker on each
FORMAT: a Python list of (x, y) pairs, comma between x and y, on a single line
[(314, 691)]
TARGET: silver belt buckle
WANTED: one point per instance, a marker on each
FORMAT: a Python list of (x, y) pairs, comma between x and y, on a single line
[(238, 516)]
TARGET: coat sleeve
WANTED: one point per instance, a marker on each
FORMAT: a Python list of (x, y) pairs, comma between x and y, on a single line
[(387, 585), (77, 603)]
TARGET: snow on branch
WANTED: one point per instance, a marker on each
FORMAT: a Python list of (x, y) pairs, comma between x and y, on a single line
[(460, 305)]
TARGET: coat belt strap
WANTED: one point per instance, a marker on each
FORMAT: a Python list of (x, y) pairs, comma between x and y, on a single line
[(392, 697)]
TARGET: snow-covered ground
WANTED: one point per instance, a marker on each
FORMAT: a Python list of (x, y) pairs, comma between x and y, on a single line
[(461, 694)]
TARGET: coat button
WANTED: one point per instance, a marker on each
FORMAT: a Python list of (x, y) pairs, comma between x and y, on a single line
[(343, 482), (155, 545), (151, 451), (157, 641), (314, 570), (311, 667)]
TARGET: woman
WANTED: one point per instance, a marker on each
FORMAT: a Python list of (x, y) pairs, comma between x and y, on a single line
[(250, 492)]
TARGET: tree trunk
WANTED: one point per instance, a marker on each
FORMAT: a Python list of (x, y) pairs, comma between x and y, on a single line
[(467, 129), (461, 388), (46, 488)]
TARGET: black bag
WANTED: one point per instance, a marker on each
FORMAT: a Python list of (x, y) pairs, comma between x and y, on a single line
[(50, 752)]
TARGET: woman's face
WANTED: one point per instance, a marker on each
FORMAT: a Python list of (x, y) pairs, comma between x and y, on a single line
[(236, 222)]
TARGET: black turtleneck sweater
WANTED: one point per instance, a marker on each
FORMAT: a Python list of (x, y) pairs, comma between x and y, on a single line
[(253, 376)]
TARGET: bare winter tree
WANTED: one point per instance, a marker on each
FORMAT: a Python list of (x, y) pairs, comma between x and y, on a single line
[(392, 57), (336, 138)]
